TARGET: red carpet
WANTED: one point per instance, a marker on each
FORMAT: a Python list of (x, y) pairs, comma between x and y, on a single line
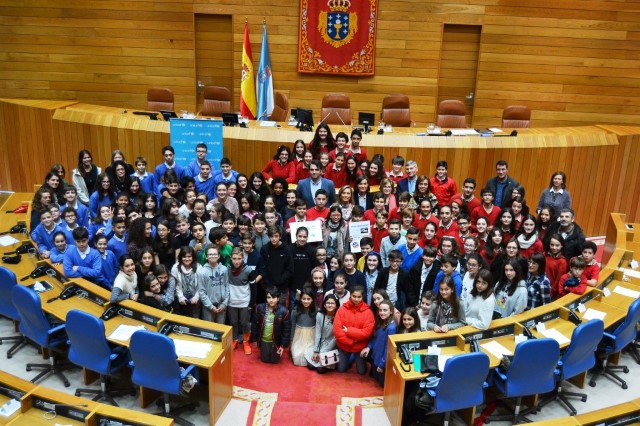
[(299, 384)]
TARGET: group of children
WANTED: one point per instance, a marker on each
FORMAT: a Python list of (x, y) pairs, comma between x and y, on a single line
[(226, 247)]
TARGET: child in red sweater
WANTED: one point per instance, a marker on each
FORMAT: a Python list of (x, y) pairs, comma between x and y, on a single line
[(573, 281), (556, 263)]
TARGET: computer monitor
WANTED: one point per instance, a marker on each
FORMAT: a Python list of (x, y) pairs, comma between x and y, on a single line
[(305, 119), (367, 119), (168, 115), (230, 118)]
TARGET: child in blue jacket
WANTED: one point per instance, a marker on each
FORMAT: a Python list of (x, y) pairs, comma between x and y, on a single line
[(376, 351)]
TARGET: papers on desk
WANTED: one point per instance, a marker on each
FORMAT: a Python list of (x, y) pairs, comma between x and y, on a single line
[(594, 314), (7, 240), (442, 360), (268, 124), (496, 349), (124, 332), (192, 349), (630, 272), (627, 292), (463, 132), (495, 129), (555, 335)]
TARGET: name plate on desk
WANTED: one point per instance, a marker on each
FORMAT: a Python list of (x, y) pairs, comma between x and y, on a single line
[(426, 343), (70, 411), (190, 330), (492, 333), (607, 281), (541, 318), (139, 316), (96, 299), (584, 299)]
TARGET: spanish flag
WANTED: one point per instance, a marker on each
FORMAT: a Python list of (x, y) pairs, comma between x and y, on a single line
[(247, 82)]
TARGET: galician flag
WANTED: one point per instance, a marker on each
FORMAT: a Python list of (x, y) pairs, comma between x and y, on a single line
[(264, 80), (247, 85)]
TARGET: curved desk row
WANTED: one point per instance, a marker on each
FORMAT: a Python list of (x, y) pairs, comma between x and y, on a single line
[(611, 299), (88, 297), (41, 405), (599, 160), (627, 413)]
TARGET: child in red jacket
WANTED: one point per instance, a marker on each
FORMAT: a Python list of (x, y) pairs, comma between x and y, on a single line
[(353, 327), (573, 281)]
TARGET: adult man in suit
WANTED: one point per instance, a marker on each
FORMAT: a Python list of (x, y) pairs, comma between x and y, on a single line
[(502, 184), (408, 184), (307, 187)]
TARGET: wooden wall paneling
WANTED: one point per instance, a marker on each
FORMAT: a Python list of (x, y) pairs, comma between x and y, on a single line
[(110, 52), (630, 198), (459, 63), (214, 53)]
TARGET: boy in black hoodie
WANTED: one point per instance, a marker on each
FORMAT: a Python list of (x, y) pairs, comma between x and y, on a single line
[(278, 263), (304, 259)]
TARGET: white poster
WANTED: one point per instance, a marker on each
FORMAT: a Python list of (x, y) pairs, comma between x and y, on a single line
[(313, 226), (358, 230)]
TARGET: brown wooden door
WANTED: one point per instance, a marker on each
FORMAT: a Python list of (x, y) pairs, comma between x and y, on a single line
[(214, 53), (459, 64)]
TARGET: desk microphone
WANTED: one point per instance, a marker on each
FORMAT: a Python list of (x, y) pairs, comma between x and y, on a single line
[(69, 405), (340, 118), (261, 115), (325, 117)]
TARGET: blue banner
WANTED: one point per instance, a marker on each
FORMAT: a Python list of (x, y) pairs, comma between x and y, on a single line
[(186, 134)]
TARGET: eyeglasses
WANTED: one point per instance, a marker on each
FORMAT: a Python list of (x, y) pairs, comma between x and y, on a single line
[(472, 265)]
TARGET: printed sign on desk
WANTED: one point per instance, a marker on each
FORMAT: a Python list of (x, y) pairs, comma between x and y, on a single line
[(186, 134)]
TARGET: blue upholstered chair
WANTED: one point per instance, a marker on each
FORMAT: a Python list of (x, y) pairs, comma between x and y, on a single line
[(7, 282), (35, 326), (531, 372), (90, 349), (614, 342), (578, 358), (155, 366), (461, 385)]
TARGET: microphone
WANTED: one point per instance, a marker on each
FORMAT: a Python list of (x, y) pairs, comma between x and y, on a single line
[(341, 120), (262, 115), (325, 117)]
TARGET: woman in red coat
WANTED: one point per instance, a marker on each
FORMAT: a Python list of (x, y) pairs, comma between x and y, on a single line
[(353, 327)]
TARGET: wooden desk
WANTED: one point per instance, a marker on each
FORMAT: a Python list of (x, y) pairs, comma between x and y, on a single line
[(71, 410), (628, 411), (12, 387), (216, 367), (618, 300), (110, 413), (26, 391), (533, 155)]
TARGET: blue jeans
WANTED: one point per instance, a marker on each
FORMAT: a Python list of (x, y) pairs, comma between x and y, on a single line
[(347, 358)]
